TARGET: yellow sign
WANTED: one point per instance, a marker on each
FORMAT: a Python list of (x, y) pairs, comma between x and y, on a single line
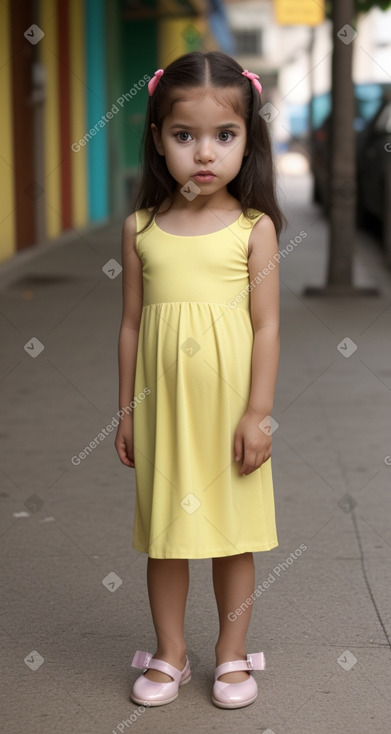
[(299, 12)]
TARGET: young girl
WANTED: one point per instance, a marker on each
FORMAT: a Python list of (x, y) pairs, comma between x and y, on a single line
[(198, 356)]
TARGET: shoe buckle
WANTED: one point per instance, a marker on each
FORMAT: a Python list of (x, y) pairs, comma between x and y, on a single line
[(250, 664)]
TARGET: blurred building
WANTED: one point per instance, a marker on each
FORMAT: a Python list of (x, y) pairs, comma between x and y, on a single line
[(294, 62)]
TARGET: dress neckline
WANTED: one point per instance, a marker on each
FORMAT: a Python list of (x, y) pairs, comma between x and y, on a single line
[(194, 236)]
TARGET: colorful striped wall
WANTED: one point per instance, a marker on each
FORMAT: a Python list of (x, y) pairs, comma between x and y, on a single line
[(82, 158), (66, 168), (74, 179)]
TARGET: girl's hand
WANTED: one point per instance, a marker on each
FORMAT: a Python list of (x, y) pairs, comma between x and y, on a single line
[(124, 441), (252, 446)]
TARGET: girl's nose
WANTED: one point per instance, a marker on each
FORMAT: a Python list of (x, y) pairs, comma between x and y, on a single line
[(205, 150)]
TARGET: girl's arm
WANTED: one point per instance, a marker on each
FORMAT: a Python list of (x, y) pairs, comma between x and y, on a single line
[(252, 446), (132, 303)]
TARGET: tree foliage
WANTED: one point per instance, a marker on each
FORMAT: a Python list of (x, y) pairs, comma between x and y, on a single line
[(362, 6)]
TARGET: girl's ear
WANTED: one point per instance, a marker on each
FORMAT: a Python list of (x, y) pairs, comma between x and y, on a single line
[(157, 139)]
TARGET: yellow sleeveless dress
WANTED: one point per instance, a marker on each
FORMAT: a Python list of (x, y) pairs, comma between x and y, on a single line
[(194, 370)]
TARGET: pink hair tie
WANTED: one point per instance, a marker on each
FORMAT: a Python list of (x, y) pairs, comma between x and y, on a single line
[(152, 84), (253, 78)]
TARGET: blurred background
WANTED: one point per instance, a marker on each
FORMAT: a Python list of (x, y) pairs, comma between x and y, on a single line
[(73, 84)]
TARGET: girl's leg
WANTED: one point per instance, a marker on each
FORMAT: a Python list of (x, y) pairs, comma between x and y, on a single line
[(233, 582), (168, 585)]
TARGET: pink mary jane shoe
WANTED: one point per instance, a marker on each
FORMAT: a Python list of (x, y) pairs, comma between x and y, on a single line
[(153, 693), (236, 695)]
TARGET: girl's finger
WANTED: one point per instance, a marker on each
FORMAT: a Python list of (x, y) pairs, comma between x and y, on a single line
[(123, 454), (238, 447), (124, 458), (249, 463), (129, 456), (248, 459)]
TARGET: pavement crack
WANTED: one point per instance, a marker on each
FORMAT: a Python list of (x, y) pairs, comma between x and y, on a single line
[(367, 582)]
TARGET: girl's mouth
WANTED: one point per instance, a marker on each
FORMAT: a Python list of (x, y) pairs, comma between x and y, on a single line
[(204, 177)]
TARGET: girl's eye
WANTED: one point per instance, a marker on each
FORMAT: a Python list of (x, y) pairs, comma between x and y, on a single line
[(224, 136), (226, 132), (182, 133)]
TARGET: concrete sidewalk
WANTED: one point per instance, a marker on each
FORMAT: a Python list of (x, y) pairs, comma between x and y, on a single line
[(75, 607)]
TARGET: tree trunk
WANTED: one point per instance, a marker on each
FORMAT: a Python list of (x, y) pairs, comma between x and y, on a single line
[(342, 162), (342, 181)]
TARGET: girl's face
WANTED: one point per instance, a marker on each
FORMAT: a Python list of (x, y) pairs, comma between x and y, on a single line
[(202, 134)]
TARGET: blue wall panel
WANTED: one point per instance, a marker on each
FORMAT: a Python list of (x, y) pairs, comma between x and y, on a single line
[(97, 146)]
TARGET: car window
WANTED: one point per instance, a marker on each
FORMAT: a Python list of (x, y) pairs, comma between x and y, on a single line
[(383, 122)]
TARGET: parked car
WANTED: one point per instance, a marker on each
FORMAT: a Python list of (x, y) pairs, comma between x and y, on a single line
[(374, 173), (320, 156), (372, 131), (368, 98)]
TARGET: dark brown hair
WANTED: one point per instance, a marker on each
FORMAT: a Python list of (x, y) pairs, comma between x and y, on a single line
[(254, 185)]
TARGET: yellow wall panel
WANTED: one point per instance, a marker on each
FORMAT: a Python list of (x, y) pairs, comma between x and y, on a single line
[(178, 36), (7, 199), (48, 49), (78, 111)]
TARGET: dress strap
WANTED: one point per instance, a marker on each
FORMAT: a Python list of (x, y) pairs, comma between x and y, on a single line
[(142, 217), (254, 216)]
